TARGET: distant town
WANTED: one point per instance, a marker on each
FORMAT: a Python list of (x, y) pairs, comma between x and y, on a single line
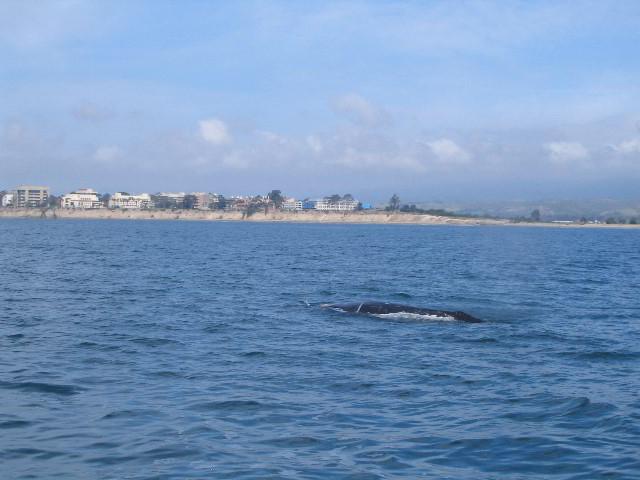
[(38, 196)]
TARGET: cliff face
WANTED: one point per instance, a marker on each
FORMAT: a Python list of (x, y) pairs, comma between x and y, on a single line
[(271, 216)]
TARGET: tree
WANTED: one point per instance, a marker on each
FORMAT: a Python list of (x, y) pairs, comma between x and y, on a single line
[(335, 198), (252, 208), (610, 221), (276, 197), (347, 196), (394, 202), (189, 201), (53, 201), (633, 221), (160, 201), (535, 215), (105, 199)]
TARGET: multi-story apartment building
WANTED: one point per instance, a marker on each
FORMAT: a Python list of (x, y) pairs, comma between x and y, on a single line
[(126, 200), (81, 198), (177, 197), (327, 206), (205, 200), (292, 204), (31, 196)]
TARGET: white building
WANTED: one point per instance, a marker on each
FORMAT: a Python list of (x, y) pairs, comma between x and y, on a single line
[(81, 198), (292, 204), (31, 196), (339, 206), (125, 200), (7, 199)]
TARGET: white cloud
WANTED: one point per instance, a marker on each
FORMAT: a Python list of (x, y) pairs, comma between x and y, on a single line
[(358, 109), (91, 111), (107, 153), (235, 160), (448, 151), (314, 143), (32, 24), (562, 152), (214, 131), (15, 133), (628, 147)]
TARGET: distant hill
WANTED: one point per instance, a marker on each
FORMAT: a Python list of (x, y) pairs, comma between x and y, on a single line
[(600, 209)]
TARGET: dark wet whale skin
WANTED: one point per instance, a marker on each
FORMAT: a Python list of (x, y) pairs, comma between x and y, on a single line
[(382, 308)]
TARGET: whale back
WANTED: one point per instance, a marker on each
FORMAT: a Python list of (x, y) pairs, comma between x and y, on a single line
[(385, 308)]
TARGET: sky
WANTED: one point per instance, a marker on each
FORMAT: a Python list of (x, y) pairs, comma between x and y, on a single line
[(432, 100)]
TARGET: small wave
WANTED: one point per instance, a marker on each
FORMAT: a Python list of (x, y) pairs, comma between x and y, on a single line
[(38, 387), (480, 340), (293, 442), (14, 424), (161, 453), (154, 342), (165, 374), (370, 289), (97, 346), (608, 356), (120, 414), (112, 460), (15, 336), (102, 445), (402, 295), (353, 386), (571, 412), (215, 328), (129, 414), (326, 292), (254, 354), (229, 405), (19, 453)]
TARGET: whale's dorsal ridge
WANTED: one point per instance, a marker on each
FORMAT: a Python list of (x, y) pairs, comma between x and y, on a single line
[(387, 308)]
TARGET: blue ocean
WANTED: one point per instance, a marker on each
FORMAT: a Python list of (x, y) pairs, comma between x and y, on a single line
[(169, 349)]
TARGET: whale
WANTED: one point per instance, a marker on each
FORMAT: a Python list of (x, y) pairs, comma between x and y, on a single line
[(398, 310)]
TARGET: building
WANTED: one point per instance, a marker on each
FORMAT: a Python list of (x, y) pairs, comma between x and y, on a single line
[(31, 196), (7, 200), (81, 198), (292, 204), (325, 205), (204, 201), (339, 206), (126, 200), (177, 197)]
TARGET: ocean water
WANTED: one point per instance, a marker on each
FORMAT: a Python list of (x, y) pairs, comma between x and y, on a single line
[(143, 349)]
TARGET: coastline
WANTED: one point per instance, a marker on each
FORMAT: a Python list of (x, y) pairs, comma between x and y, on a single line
[(360, 217)]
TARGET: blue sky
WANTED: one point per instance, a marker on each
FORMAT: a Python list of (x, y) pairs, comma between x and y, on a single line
[(434, 100)]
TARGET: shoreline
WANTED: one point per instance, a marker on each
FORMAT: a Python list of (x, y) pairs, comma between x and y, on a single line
[(360, 217)]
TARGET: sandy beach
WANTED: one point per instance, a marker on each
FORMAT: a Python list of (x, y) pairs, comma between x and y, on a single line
[(361, 217)]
